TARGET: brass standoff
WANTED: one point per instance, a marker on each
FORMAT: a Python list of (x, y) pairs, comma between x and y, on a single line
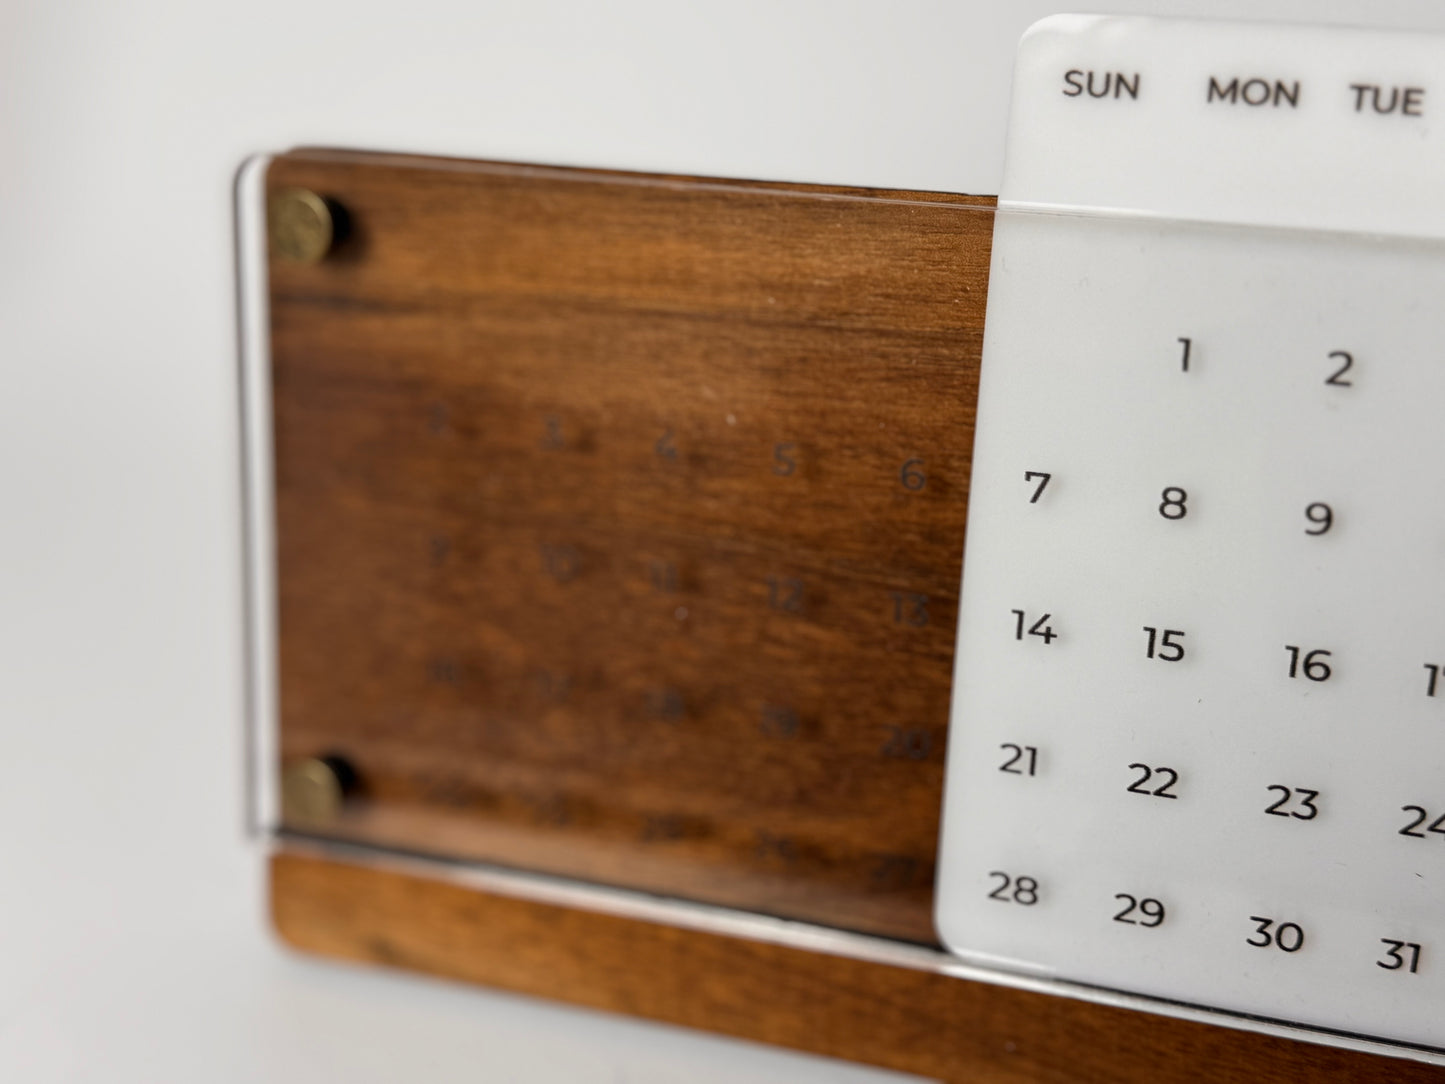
[(302, 225), (314, 789)]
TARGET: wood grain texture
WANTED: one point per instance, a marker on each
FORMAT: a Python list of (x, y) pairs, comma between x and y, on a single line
[(620, 522), (913, 1021)]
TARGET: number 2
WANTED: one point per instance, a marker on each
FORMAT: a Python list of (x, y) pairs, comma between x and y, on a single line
[(1335, 377)]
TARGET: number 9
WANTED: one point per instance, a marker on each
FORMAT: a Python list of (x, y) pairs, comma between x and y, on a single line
[(1321, 515)]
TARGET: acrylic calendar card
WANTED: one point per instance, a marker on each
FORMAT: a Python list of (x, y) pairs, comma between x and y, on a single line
[(1197, 747)]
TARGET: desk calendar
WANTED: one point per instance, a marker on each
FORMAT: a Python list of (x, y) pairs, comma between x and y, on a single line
[(607, 535)]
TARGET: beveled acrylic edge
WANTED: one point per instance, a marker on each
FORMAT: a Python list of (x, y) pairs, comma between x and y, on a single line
[(261, 717), (260, 636)]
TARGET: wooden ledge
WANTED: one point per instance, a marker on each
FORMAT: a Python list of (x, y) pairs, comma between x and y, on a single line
[(893, 1017)]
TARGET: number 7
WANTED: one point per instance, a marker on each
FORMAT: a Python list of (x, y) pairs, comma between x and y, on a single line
[(1029, 476)]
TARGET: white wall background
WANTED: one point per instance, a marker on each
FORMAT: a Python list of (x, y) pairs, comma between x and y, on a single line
[(132, 942)]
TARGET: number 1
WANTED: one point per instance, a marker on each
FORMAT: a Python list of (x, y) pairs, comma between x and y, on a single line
[(1184, 360)]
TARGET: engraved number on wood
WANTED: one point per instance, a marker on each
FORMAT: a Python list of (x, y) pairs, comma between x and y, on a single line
[(910, 609), (663, 828), (436, 419), (561, 562), (785, 593), (778, 721), (781, 850), (905, 743), (893, 871), (666, 703), (784, 464), (663, 576)]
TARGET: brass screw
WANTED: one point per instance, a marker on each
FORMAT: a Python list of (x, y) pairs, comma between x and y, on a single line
[(301, 225), (312, 791)]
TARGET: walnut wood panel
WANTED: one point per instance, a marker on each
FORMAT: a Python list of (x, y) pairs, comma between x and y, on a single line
[(620, 523), (914, 1021)]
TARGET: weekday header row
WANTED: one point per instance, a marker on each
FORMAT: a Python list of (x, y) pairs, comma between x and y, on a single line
[(1247, 91)]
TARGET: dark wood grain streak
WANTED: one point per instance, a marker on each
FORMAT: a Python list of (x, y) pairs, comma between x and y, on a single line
[(913, 1021), (620, 522)]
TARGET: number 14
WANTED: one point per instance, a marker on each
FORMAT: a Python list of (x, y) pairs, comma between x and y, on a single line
[(1039, 628)]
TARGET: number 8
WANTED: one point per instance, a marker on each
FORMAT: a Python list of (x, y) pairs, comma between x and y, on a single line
[(1171, 505)]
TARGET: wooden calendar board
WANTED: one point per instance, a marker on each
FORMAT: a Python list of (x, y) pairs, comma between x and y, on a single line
[(619, 523)]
